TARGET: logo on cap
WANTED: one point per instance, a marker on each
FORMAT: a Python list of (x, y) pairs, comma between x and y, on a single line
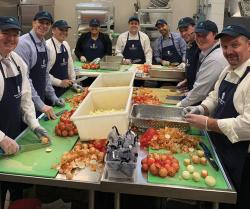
[(11, 19)]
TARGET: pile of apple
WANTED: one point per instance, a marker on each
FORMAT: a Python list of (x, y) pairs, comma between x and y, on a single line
[(66, 127), (161, 165)]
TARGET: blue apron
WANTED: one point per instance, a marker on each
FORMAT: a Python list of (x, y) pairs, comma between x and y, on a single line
[(233, 156), (10, 104), (133, 50), (170, 53), (94, 49), (60, 69), (192, 59), (38, 71), (11, 124)]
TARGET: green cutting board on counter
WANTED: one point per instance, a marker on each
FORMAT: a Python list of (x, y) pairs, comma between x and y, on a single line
[(78, 65), (178, 180), (39, 162)]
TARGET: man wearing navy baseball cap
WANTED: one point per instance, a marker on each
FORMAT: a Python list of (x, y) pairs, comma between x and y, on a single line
[(169, 47), (134, 45), (186, 26), (228, 107), (32, 48), (210, 64), (93, 44), (61, 67), (16, 104), (43, 15)]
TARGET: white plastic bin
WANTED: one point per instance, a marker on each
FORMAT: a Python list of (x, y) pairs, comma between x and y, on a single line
[(110, 80), (98, 126)]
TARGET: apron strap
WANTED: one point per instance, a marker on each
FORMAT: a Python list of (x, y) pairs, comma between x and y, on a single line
[(203, 59), (33, 40)]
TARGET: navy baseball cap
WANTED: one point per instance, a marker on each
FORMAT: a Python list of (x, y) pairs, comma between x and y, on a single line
[(7, 22), (133, 18), (234, 31), (94, 22), (185, 22), (206, 27), (160, 22), (62, 24), (43, 15)]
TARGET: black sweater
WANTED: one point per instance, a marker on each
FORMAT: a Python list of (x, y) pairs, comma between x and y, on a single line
[(79, 50)]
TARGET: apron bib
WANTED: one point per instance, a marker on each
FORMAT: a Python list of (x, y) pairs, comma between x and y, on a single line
[(94, 49), (192, 57), (133, 51), (60, 69), (232, 155), (10, 105), (170, 53)]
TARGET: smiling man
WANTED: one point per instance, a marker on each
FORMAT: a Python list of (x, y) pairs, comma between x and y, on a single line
[(169, 47), (61, 64), (210, 64), (134, 45), (186, 27), (32, 48), (15, 98), (93, 44), (228, 108)]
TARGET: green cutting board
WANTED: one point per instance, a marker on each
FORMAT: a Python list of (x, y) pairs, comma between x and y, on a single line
[(178, 180), (78, 65), (39, 162)]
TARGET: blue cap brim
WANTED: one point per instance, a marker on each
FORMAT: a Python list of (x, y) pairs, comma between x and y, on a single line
[(201, 31), (62, 27), (10, 26), (94, 25), (45, 18), (184, 25), (227, 33)]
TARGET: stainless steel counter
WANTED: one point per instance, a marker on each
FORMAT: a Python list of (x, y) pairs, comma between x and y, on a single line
[(99, 182)]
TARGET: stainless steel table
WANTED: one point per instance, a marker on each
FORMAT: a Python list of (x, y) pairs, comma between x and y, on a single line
[(140, 186)]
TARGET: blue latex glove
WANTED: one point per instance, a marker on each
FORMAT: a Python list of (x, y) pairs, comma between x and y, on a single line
[(198, 110), (77, 88), (59, 102), (41, 132), (8, 146)]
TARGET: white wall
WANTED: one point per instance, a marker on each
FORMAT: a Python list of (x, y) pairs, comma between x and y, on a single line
[(216, 13), (65, 9)]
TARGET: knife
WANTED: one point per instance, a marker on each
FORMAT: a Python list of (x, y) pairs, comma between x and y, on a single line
[(80, 79), (57, 114), (179, 98), (209, 156), (29, 147)]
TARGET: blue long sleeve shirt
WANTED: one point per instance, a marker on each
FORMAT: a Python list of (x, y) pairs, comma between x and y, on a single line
[(27, 50), (179, 43)]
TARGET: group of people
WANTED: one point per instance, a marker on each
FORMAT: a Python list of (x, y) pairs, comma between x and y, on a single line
[(30, 67), (217, 85), (35, 73)]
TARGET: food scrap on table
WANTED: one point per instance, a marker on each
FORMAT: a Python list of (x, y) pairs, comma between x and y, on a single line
[(83, 155), (77, 98), (145, 96), (171, 139)]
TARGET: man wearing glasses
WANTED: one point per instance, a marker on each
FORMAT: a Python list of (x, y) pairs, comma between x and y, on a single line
[(61, 66), (32, 48)]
